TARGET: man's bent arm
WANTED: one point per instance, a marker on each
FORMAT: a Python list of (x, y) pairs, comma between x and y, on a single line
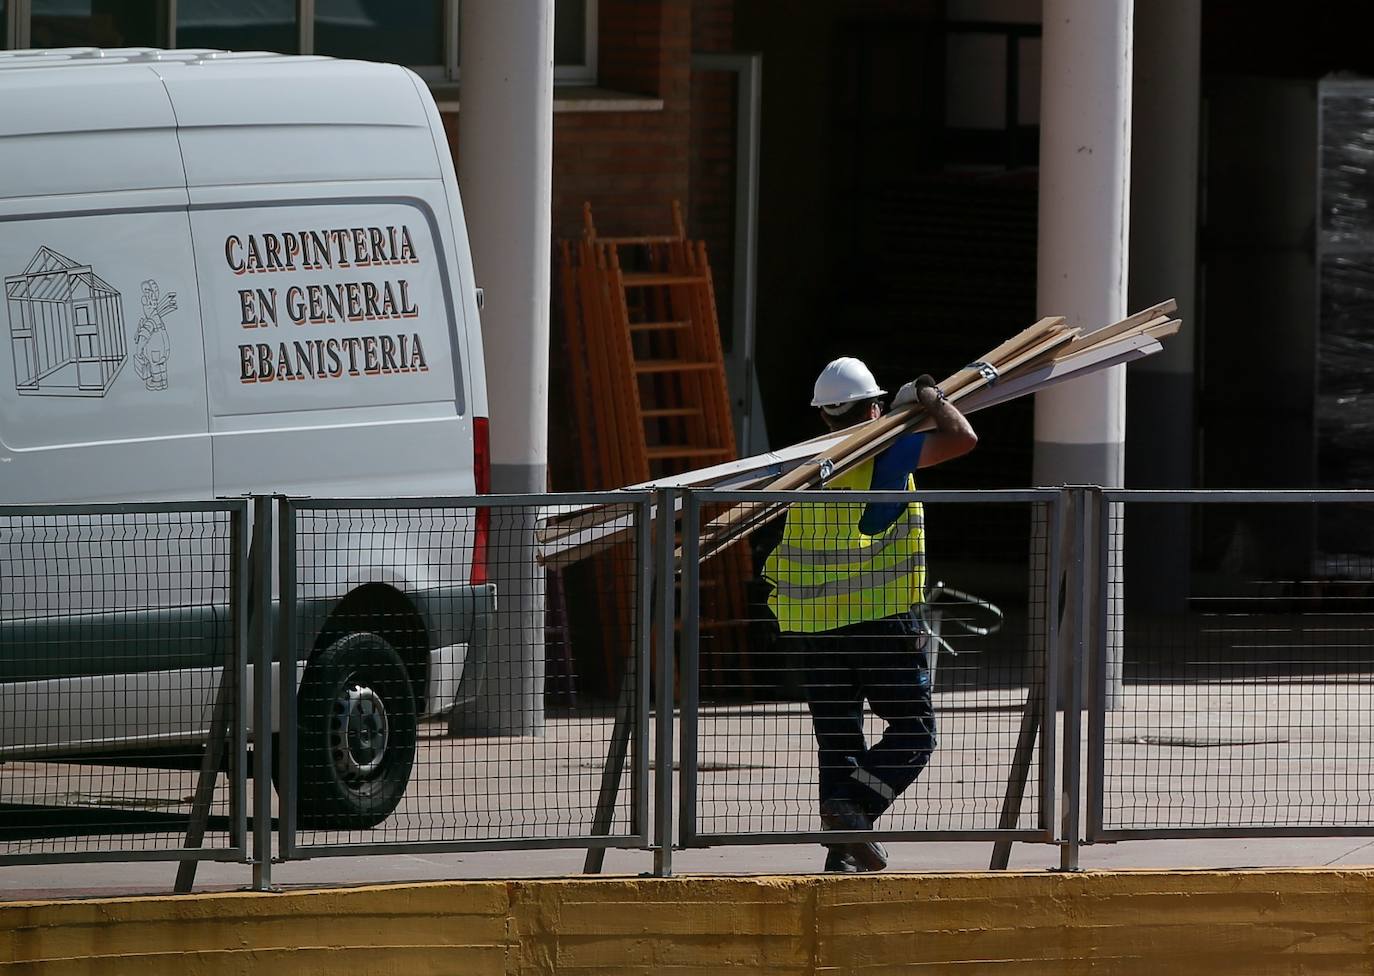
[(953, 435)]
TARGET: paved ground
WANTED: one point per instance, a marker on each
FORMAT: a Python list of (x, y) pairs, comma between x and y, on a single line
[(1228, 754)]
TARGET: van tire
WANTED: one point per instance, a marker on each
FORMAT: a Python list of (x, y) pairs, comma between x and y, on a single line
[(357, 730)]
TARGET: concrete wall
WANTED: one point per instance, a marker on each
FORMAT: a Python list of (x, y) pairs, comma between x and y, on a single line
[(1146, 922)]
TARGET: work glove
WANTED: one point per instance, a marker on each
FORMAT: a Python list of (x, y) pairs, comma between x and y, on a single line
[(910, 393)]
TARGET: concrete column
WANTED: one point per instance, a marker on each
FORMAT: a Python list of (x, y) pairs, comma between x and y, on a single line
[(1085, 159), (505, 171), (1164, 193)]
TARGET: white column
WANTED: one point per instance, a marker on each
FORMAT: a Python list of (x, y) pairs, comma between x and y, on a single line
[(505, 172), (1085, 159), (1085, 164)]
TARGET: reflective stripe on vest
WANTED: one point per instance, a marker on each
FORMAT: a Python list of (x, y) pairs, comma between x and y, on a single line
[(838, 556), (827, 574)]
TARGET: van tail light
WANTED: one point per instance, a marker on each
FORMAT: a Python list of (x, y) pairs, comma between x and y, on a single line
[(481, 475)]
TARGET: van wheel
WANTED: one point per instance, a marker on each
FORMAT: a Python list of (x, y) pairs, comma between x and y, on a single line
[(357, 734)]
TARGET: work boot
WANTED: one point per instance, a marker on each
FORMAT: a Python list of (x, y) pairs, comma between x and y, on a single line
[(841, 814), (840, 861)]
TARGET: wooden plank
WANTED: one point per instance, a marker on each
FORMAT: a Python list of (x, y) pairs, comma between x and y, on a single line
[(1165, 330), (670, 366), (658, 326), (1088, 340), (1024, 338), (635, 241), (580, 381), (663, 451), (631, 432), (1139, 319), (655, 413), (657, 279), (606, 390)]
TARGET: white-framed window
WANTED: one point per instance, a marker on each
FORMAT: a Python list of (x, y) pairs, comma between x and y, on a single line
[(421, 34)]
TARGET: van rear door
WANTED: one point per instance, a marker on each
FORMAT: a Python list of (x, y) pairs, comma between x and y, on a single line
[(102, 380), (333, 332)]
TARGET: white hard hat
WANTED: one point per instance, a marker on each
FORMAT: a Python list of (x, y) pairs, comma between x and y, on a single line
[(844, 381)]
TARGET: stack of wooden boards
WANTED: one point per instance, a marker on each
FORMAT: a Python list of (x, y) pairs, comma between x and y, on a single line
[(1044, 355), (647, 380)]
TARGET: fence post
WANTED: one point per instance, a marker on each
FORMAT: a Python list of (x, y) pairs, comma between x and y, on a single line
[(643, 666), (1104, 652), (690, 673), (242, 609), (1079, 618), (226, 718), (631, 728), (1044, 637), (665, 617), (285, 656), (262, 651)]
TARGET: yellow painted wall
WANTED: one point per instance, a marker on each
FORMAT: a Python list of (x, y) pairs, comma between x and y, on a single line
[(1154, 923)]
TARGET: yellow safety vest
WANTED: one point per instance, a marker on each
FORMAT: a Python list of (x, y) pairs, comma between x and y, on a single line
[(827, 574)]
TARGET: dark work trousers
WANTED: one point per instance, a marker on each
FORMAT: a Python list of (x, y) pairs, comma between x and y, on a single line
[(885, 662)]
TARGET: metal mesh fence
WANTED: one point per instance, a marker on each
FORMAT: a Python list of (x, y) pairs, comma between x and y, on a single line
[(441, 699), (116, 626), (891, 656), (1242, 697)]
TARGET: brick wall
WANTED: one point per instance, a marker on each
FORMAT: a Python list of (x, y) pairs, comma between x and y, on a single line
[(629, 165)]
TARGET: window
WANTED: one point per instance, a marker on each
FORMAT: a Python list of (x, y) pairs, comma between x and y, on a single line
[(410, 33), (248, 25), (98, 23), (421, 34), (574, 40)]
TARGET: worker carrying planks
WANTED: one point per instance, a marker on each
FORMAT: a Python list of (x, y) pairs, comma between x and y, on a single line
[(847, 584), (848, 579)]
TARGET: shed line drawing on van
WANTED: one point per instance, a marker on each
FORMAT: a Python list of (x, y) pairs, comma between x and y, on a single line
[(151, 342), (66, 328)]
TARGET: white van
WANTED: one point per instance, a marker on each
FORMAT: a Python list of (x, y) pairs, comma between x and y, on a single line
[(228, 274)]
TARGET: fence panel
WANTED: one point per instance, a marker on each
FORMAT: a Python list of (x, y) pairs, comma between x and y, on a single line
[(122, 669), (438, 703), (1234, 677), (969, 670)]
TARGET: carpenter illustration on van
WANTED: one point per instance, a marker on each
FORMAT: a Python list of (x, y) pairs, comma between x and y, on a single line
[(151, 343), (66, 328)]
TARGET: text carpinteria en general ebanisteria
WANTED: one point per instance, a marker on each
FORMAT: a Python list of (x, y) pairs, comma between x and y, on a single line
[(324, 304)]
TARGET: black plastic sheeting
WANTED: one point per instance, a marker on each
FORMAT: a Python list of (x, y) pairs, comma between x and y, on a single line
[(1345, 352)]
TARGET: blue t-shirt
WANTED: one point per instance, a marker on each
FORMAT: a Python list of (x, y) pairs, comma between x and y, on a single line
[(890, 471)]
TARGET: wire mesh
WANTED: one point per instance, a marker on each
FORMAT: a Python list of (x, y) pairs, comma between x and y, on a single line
[(116, 626), (1246, 678), (455, 690), (887, 672)]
